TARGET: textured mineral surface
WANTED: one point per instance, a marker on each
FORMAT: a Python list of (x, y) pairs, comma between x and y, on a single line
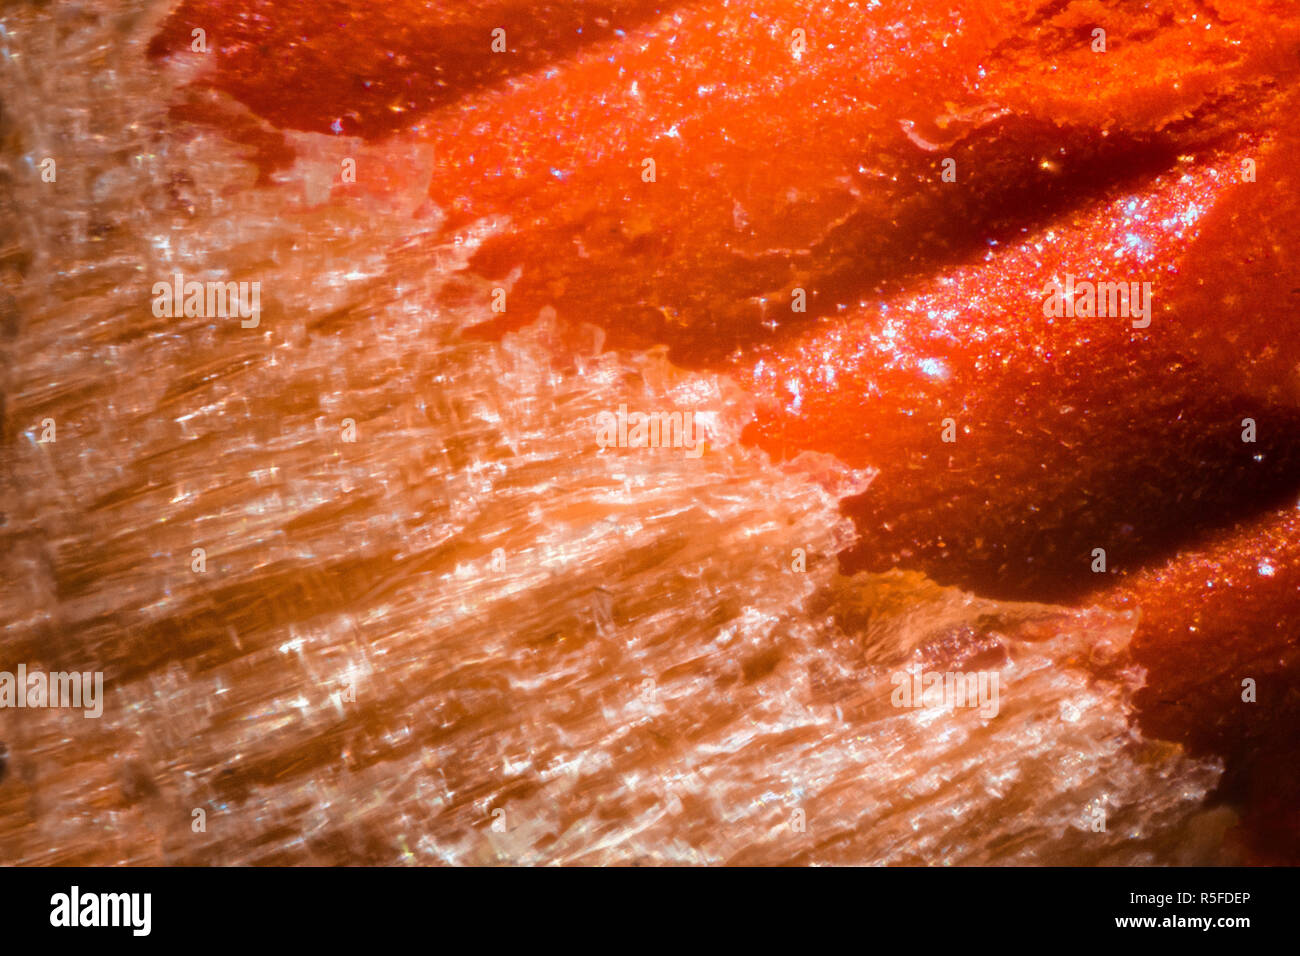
[(983, 316)]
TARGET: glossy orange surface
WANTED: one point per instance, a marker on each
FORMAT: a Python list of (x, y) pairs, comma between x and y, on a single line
[(1217, 636), (782, 160), (1067, 433)]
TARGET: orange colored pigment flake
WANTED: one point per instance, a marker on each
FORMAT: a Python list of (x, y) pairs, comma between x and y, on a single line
[(1011, 443), (680, 184), (777, 168), (1237, 300), (1218, 637)]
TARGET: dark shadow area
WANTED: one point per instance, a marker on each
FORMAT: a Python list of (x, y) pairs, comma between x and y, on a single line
[(389, 64), (1148, 459)]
